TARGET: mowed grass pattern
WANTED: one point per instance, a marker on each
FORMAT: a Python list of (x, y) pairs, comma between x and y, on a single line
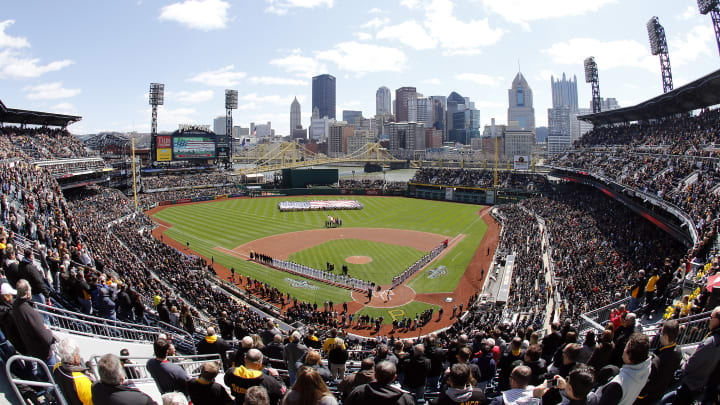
[(408, 310), (230, 223), (387, 260)]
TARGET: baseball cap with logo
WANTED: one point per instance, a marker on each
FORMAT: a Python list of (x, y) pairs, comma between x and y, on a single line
[(7, 289)]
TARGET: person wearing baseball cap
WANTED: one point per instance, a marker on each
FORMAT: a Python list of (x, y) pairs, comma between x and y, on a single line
[(7, 323)]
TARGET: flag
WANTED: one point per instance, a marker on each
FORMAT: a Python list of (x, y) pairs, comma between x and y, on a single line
[(243, 142)]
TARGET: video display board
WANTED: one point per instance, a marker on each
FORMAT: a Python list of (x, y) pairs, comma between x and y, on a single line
[(188, 145)]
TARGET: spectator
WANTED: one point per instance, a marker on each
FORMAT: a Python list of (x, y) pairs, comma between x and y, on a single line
[(365, 375), (203, 390), (239, 379), (617, 316), (665, 361), (337, 358), (380, 392), (417, 367), (257, 395), (437, 357), (637, 291), (110, 390), (270, 332), (577, 388), (588, 347), (486, 364), (311, 341), (569, 357), (461, 388), (603, 351), (626, 386), (246, 344), (38, 339), (314, 361), (535, 363), (131, 369), (551, 342), (226, 326), (622, 335), (507, 359), (330, 342), (700, 368), (520, 391), (383, 354), (174, 398), (7, 323), (293, 352), (168, 377), (274, 349), (71, 375), (309, 389), (213, 344)]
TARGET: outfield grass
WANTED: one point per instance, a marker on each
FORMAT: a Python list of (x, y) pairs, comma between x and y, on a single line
[(230, 223), (387, 260), (408, 310)]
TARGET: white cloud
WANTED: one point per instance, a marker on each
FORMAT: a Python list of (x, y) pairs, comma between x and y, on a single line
[(203, 15), (274, 99), (302, 66), (685, 49), (375, 10), (524, 11), (63, 108), (362, 36), (434, 81), (409, 33), (608, 55), (49, 91), (16, 66), (376, 23), (225, 76), (170, 118), (544, 75), (282, 81), (281, 7), (455, 36), (481, 79), (6, 41), (689, 13), (191, 97), (410, 3), (364, 58)]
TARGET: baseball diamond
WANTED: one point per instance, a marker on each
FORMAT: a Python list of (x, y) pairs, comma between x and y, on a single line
[(386, 239)]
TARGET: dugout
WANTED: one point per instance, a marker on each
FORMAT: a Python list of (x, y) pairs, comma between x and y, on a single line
[(301, 178)]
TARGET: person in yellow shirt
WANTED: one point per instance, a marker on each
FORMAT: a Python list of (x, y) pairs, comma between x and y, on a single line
[(650, 289), (330, 342)]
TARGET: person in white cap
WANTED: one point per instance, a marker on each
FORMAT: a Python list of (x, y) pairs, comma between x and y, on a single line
[(7, 323)]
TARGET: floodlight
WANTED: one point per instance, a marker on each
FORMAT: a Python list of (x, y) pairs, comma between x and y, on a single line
[(157, 94), (707, 6), (590, 69), (656, 34), (231, 99)]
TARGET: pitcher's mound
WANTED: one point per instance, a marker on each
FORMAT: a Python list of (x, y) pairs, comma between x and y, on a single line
[(358, 259)]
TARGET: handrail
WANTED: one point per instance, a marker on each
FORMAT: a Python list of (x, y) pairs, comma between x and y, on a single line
[(136, 367), (15, 381)]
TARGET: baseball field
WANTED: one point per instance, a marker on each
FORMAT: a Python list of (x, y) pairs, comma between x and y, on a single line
[(376, 243)]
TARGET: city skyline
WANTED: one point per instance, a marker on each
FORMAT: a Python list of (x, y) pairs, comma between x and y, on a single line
[(48, 61)]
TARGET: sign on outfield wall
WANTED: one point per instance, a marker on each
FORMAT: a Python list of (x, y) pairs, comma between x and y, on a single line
[(164, 148), (521, 162)]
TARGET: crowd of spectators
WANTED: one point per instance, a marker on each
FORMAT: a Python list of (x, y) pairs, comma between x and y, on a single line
[(189, 180), (45, 143), (148, 199), (373, 184), (478, 178)]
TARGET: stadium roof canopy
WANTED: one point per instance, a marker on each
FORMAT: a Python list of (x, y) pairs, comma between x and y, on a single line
[(703, 92), (14, 116)]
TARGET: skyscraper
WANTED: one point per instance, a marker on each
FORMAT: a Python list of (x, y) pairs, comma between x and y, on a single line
[(323, 95), (564, 92), (382, 101), (405, 101), (520, 109), (350, 116), (565, 105), (295, 121)]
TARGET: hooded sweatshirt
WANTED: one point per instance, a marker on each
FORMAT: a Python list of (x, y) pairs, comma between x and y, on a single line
[(517, 396), (379, 394), (467, 395), (631, 379)]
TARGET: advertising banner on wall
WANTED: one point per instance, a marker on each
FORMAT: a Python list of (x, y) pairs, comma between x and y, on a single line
[(521, 162)]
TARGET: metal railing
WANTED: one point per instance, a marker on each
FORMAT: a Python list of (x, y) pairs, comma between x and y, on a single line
[(92, 326), (693, 330), (597, 318), (136, 367), (14, 381)]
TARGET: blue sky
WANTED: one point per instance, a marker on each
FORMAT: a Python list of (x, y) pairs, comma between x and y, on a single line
[(97, 58)]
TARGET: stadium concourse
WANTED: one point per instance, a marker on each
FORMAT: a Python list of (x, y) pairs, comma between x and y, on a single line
[(588, 271)]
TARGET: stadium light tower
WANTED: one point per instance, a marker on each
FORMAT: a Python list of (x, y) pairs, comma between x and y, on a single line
[(231, 103), (658, 46), (712, 7), (157, 97), (591, 76)]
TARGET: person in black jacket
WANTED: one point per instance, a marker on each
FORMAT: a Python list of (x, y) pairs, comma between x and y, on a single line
[(12, 267), (665, 361), (213, 344), (205, 391), (7, 323), (337, 358), (124, 304), (507, 359), (110, 390), (29, 272), (380, 392), (417, 367), (551, 342), (38, 339), (437, 357), (461, 388)]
